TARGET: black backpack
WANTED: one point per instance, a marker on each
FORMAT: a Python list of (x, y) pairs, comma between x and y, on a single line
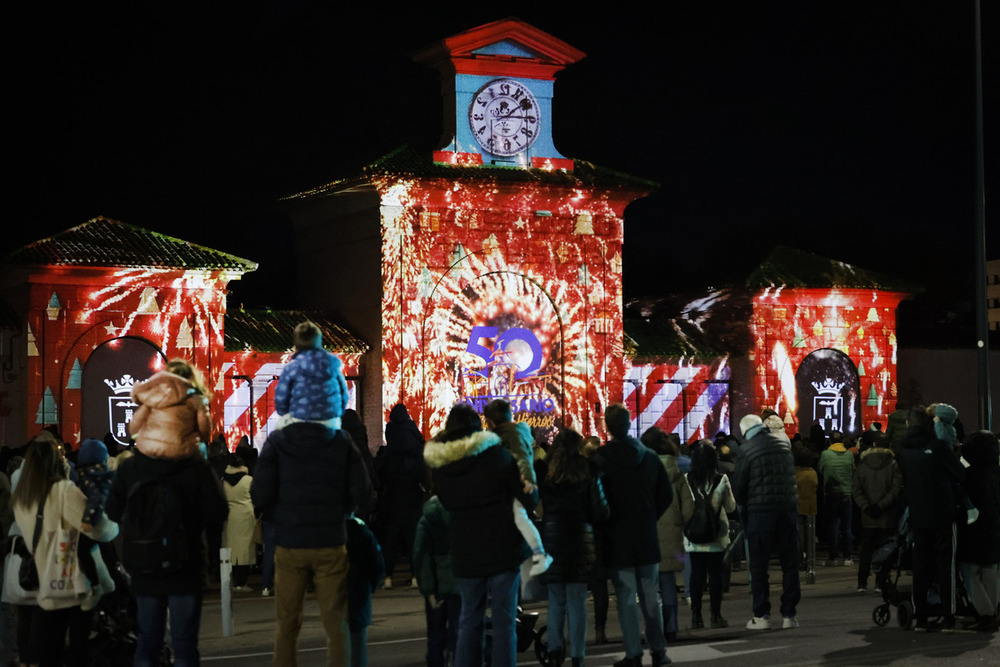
[(153, 537), (704, 525)]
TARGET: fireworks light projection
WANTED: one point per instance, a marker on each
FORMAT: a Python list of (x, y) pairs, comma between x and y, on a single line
[(493, 291)]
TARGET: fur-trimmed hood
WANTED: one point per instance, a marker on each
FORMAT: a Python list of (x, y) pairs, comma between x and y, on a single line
[(438, 454)]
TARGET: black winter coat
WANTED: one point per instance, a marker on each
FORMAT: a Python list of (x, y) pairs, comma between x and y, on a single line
[(571, 510), (638, 491), (979, 542), (310, 478), (764, 479), (401, 471), (204, 509), (931, 477), (477, 480)]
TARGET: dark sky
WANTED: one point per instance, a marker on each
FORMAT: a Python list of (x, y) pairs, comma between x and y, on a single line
[(845, 129)]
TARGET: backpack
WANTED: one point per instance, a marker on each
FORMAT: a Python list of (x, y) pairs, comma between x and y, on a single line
[(153, 537), (705, 523)]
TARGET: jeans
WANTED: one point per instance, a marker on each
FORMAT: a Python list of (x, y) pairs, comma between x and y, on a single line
[(185, 621), (267, 564), (568, 600), (668, 600), (292, 568), (642, 580), (442, 629), (769, 532), (502, 589)]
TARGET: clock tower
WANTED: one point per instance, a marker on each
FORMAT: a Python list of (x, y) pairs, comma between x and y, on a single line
[(497, 85)]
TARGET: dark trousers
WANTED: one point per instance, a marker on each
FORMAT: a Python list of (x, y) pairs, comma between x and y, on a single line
[(46, 633), (773, 532), (442, 629), (932, 564), (871, 539), (706, 564), (840, 512)]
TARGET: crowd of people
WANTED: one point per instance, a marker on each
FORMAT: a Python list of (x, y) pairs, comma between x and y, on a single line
[(487, 516)]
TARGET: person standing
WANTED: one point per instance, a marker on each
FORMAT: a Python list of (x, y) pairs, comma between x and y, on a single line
[(836, 466), (638, 491), (238, 532), (436, 579), (477, 480), (875, 487), (931, 478), (979, 542), (706, 481), (670, 526), (764, 487), (574, 502), (310, 478)]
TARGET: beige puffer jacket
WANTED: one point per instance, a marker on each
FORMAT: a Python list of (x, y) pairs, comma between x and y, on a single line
[(172, 417)]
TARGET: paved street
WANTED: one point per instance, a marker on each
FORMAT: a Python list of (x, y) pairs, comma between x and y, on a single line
[(836, 629)]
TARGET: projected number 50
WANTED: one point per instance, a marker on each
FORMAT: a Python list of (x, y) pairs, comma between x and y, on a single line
[(517, 347)]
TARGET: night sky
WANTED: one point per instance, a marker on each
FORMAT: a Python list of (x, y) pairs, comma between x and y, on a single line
[(846, 130)]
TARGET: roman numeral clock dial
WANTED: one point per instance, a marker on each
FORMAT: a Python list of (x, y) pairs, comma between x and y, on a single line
[(504, 117)]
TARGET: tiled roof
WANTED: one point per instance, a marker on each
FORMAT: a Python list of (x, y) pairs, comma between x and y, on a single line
[(410, 162), (266, 330), (107, 242), (790, 267)]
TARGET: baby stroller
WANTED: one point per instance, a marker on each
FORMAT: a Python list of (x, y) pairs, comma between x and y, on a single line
[(526, 636), (889, 561)]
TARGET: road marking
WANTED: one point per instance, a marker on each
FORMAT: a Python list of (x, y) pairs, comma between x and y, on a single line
[(687, 653)]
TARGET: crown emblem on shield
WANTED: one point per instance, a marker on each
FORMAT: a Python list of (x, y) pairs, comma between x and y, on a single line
[(828, 386), (123, 386)]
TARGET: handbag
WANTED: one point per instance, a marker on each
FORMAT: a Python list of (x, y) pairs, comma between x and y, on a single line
[(13, 592), (62, 582), (27, 573)]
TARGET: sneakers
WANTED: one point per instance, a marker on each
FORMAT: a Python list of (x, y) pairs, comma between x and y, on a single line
[(848, 562), (789, 623), (759, 623), (539, 564), (719, 622), (241, 589), (862, 589), (266, 592)]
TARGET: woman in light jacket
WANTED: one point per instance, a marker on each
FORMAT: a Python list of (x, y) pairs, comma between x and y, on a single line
[(43, 483), (706, 559), (238, 533)]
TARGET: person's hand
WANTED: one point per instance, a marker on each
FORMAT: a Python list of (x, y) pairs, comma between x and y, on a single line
[(85, 527), (528, 486)]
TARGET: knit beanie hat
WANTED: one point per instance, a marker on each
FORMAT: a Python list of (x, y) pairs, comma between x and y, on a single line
[(92, 452), (944, 423)]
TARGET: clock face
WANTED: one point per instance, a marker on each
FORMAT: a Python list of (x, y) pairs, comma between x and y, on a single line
[(504, 117)]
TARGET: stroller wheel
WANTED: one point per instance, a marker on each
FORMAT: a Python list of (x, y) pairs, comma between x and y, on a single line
[(905, 615), (881, 614), (541, 648)]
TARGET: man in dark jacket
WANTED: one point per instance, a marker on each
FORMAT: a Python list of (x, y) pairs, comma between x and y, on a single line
[(203, 509), (931, 477), (638, 492), (477, 480), (310, 478), (764, 486)]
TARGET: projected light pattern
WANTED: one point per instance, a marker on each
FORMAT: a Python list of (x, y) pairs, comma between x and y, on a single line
[(492, 291), (690, 399), (790, 324), (179, 312)]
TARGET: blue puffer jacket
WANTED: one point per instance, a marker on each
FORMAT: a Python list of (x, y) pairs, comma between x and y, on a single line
[(310, 478), (312, 386)]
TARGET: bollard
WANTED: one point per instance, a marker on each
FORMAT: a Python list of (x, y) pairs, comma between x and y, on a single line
[(811, 549), (225, 578)]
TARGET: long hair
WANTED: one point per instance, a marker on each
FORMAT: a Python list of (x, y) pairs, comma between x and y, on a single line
[(43, 466), (704, 463), (566, 459), (185, 370)]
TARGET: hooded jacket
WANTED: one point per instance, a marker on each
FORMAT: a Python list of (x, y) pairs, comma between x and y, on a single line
[(477, 480), (765, 474), (877, 482), (516, 438), (312, 386), (639, 492), (400, 470), (172, 417), (980, 542)]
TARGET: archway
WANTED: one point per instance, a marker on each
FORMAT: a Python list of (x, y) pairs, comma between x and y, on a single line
[(828, 392)]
